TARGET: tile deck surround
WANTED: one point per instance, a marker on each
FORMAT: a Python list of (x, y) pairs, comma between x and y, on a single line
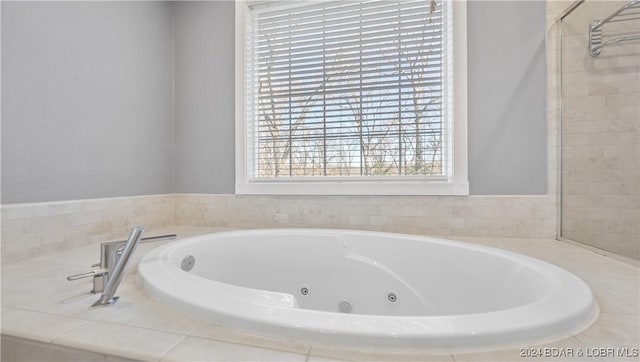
[(39, 305)]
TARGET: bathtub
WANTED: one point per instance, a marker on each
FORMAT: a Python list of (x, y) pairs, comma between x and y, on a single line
[(368, 290)]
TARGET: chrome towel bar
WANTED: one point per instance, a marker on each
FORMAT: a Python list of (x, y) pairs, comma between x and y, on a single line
[(629, 12)]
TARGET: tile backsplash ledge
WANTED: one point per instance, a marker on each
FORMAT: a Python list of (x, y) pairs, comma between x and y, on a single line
[(35, 229), (511, 216)]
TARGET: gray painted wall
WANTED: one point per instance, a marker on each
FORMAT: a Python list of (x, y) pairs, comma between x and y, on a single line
[(507, 97), (204, 97), (88, 108), (87, 105)]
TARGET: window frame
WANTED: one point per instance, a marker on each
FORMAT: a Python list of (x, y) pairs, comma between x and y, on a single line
[(457, 184)]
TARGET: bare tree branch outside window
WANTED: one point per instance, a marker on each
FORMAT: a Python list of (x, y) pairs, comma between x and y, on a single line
[(349, 91)]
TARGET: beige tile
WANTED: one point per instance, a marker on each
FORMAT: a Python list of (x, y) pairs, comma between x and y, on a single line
[(53, 294), (18, 349), (314, 358), (32, 269), (145, 313), (615, 293), (212, 331), (23, 211), (37, 326), (81, 258), (79, 304), (26, 283), (199, 349), (34, 230), (189, 231), (612, 330), (564, 350), (129, 342), (349, 355), (69, 303), (399, 214)]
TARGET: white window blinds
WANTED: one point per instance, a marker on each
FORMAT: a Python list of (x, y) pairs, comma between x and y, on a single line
[(347, 89)]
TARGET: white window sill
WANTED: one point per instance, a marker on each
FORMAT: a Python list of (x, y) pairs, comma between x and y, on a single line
[(350, 187)]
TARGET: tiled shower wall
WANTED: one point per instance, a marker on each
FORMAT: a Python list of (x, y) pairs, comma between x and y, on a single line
[(30, 230), (600, 133)]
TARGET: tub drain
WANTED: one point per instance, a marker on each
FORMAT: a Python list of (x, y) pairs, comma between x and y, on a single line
[(304, 291), (345, 306), (188, 262), (392, 297)]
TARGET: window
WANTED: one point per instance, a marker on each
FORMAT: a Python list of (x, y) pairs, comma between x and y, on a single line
[(343, 97)]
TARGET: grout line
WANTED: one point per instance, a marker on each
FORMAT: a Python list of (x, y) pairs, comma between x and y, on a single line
[(241, 344), (200, 324), (137, 327), (112, 350), (55, 339), (308, 354), (620, 314), (248, 344), (577, 341), (601, 252), (95, 199), (30, 310), (173, 347)]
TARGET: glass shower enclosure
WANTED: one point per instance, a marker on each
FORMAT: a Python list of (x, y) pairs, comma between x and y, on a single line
[(599, 125)]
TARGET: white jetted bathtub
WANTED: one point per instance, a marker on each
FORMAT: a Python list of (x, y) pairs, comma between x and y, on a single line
[(368, 290)]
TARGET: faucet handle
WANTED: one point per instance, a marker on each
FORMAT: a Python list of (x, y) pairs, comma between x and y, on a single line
[(87, 274), (145, 240), (110, 251)]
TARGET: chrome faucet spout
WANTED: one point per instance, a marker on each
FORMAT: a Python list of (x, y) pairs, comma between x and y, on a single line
[(107, 298), (110, 254)]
